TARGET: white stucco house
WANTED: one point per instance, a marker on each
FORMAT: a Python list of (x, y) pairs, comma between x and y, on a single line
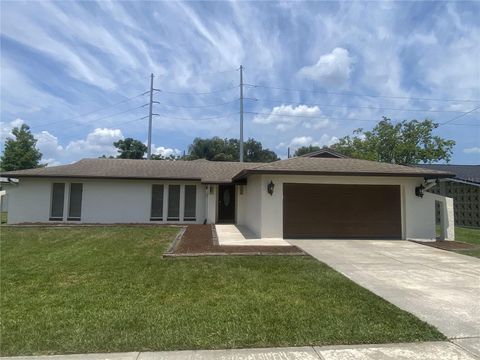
[(318, 196)]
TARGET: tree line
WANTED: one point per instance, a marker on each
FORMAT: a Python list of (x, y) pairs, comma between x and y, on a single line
[(407, 142)]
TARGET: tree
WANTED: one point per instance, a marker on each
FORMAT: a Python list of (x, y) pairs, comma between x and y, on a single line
[(407, 142), (20, 153), (218, 149), (254, 152), (306, 150), (130, 149)]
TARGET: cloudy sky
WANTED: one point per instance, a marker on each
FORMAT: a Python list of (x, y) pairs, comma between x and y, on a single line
[(76, 71)]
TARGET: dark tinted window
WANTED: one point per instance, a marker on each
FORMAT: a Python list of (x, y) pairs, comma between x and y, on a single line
[(75, 204), (157, 202), (190, 202), (173, 202), (58, 195)]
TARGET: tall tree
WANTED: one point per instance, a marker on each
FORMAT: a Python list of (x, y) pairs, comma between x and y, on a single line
[(306, 150), (254, 152), (406, 142), (20, 153), (130, 148), (218, 149)]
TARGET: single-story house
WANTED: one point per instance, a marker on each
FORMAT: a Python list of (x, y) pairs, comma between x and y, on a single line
[(464, 188), (302, 197)]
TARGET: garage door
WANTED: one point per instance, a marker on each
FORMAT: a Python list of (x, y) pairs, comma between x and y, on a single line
[(341, 211)]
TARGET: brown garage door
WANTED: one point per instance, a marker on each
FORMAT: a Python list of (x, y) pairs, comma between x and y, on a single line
[(341, 211)]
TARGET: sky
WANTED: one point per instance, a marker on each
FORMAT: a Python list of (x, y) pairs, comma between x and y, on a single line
[(77, 72)]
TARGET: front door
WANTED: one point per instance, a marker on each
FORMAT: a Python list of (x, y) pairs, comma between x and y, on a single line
[(226, 204)]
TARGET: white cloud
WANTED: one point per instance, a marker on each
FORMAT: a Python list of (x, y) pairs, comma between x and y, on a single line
[(49, 146), (472, 150), (6, 128), (332, 69), (51, 162), (98, 142), (299, 141), (160, 150), (286, 117)]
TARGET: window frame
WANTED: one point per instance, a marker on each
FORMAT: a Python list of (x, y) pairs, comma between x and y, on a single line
[(57, 218), (194, 217), (157, 218), (174, 218), (69, 217)]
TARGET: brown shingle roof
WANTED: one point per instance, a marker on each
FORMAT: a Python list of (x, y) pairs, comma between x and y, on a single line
[(333, 166), (205, 171), (469, 173), (221, 172)]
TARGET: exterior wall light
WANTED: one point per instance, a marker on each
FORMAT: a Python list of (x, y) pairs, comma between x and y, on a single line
[(419, 191), (270, 187)]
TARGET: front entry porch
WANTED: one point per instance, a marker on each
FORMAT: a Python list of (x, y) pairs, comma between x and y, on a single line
[(237, 235)]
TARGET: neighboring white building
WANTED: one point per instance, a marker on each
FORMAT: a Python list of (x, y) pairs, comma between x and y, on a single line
[(302, 197)]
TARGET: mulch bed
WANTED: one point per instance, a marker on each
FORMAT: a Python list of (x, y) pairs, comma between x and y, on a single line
[(449, 245), (199, 240)]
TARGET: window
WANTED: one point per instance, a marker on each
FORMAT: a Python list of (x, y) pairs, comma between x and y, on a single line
[(75, 203), (58, 195), (173, 203), (190, 202), (156, 211)]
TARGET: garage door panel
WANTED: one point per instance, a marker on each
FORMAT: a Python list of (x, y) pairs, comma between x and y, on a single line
[(341, 211)]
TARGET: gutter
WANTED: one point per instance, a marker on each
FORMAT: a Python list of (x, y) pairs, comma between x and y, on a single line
[(244, 173)]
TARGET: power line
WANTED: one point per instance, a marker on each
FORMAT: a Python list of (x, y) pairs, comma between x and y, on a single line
[(198, 106), (360, 95), (207, 73), (117, 124), (198, 119), (460, 116), (326, 117), (98, 119), (357, 106), (198, 93), (309, 117), (90, 112)]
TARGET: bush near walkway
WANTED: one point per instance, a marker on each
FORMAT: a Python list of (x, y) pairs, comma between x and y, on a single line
[(108, 289)]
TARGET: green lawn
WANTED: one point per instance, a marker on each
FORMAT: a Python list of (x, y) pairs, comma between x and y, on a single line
[(105, 289), (468, 235)]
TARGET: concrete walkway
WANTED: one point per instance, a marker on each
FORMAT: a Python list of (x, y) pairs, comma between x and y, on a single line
[(237, 235), (415, 351), (439, 287)]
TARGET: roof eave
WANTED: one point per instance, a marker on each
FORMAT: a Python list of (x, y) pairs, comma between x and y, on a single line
[(59, 176), (244, 174)]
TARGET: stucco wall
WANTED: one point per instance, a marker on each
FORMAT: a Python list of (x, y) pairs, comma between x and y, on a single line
[(103, 201), (241, 204), (211, 203), (417, 214), (252, 202), (29, 201), (447, 215)]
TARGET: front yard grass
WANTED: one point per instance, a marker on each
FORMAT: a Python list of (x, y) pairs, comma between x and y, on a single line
[(106, 289), (468, 235)]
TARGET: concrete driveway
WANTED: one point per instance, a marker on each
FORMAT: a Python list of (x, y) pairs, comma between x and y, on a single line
[(439, 287)]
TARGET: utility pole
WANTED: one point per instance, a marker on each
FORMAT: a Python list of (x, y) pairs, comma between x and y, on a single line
[(149, 145), (241, 113)]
